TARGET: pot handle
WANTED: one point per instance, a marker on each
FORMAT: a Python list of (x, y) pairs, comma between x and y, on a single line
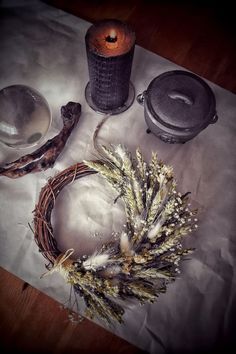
[(176, 95), (214, 119), (141, 98)]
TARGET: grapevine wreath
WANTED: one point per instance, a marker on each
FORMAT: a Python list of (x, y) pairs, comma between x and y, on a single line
[(146, 255)]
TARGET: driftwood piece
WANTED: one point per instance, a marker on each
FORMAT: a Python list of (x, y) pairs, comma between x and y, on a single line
[(45, 157)]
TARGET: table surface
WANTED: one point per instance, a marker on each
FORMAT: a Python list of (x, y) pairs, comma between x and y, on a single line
[(199, 38)]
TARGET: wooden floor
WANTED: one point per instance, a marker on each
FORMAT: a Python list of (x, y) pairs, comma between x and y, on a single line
[(31, 322), (198, 35), (200, 38)]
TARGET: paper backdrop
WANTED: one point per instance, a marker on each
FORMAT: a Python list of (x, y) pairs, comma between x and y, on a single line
[(44, 48)]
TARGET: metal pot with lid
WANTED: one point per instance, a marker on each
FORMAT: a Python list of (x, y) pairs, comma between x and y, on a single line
[(178, 105)]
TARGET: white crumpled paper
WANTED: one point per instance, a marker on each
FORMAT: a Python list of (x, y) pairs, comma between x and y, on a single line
[(44, 48)]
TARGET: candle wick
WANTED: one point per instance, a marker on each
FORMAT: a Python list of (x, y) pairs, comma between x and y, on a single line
[(111, 39)]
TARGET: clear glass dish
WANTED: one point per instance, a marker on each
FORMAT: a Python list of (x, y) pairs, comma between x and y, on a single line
[(25, 116)]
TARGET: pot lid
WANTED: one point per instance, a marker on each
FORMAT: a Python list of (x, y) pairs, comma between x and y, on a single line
[(181, 100)]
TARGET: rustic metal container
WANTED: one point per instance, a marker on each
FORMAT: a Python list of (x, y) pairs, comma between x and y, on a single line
[(178, 105)]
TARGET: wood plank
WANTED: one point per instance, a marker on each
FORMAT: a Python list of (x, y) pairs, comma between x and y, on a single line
[(200, 36), (32, 322)]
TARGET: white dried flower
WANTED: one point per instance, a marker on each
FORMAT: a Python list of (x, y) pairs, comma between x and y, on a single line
[(96, 261)]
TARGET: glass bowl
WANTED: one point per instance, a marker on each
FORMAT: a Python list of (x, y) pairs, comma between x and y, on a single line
[(25, 116)]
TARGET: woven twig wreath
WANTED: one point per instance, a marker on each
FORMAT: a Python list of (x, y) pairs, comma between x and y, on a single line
[(146, 256)]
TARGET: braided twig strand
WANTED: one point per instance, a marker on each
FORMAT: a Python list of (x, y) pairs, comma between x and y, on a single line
[(44, 236)]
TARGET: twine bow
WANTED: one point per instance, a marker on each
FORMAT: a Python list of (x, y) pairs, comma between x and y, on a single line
[(59, 264)]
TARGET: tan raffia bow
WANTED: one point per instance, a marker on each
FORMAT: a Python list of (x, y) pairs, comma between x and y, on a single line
[(59, 265)]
